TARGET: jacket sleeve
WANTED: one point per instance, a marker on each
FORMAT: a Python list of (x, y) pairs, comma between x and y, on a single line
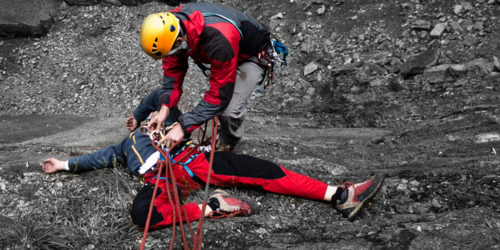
[(223, 51), (217, 97), (112, 156), (152, 102), (174, 71)]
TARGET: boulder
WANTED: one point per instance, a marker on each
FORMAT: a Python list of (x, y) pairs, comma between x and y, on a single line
[(417, 64), (444, 72), (437, 74), (27, 17)]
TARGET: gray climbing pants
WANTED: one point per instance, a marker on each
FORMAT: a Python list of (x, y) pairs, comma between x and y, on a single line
[(249, 75)]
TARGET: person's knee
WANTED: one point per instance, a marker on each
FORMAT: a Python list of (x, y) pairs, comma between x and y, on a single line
[(140, 207), (235, 111)]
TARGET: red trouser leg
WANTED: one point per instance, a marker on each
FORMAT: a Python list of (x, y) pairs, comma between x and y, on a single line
[(163, 206), (162, 214), (230, 169)]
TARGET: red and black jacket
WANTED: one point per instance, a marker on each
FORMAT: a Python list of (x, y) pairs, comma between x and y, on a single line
[(214, 38)]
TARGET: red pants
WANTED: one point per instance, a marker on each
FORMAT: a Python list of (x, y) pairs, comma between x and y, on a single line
[(228, 170)]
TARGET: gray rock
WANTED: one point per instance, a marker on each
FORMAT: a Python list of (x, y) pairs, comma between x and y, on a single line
[(419, 63), (377, 82), (458, 9), (321, 10), (438, 29), (484, 66), (27, 18), (472, 40), (487, 137), (456, 26), (437, 74), (496, 62), (457, 70), (277, 16), (347, 68), (310, 68), (421, 24), (467, 6), (407, 8)]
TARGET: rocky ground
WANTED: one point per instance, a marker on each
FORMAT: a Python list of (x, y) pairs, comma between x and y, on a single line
[(406, 88)]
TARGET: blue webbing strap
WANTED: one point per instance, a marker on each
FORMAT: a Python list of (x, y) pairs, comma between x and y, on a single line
[(184, 164)]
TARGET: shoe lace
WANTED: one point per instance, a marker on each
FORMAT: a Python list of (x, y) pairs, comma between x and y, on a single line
[(222, 214), (345, 185)]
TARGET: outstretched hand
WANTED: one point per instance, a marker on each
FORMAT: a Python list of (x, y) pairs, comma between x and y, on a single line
[(52, 165), (131, 123)]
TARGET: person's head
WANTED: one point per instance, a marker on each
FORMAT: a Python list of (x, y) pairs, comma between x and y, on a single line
[(161, 35)]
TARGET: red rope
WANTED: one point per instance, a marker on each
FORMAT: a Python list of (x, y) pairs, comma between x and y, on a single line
[(198, 239), (175, 201), (148, 221), (177, 205), (146, 228)]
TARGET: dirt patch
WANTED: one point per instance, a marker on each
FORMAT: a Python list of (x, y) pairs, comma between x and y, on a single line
[(16, 129)]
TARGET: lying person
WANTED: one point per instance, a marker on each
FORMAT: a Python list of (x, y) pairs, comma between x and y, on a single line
[(229, 169), (191, 173)]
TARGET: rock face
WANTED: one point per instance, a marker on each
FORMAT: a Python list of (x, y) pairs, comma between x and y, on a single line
[(34, 17), (124, 2), (27, 17)]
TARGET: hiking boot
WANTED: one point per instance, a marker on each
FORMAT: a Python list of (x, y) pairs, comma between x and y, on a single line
[(354, 195), (225, 205)]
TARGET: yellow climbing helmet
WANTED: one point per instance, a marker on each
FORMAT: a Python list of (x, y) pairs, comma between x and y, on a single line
[(158, 34)]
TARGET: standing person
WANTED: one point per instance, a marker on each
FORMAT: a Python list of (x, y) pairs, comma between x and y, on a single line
[(237, 48)]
